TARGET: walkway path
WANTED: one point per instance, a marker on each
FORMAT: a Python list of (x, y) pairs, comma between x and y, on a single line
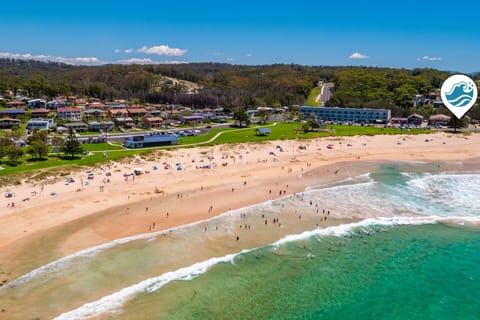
[(190, 144)]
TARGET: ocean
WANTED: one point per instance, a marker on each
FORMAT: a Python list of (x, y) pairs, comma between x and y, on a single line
[(400, 241)]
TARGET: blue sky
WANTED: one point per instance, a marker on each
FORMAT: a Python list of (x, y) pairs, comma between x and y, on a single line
[(404, 34)]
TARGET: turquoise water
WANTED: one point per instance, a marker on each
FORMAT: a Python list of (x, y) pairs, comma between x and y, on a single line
[(401, 242), (414, 256), (404, 272)]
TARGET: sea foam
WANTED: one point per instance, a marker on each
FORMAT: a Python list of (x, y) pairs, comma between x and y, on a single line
[(113, 304)]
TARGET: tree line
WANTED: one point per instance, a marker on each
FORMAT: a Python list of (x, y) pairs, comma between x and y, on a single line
[(234, 87)]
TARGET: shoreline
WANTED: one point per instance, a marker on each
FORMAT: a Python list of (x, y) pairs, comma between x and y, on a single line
[(126, 208)]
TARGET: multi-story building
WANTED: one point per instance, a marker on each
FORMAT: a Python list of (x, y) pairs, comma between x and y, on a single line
[(355, 115)]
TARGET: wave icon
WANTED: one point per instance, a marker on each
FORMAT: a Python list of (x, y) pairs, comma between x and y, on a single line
[(461, 94)]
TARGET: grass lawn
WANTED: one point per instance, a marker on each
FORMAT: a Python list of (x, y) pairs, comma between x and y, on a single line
[(284, 131), (312, 96), (101, 147), (281, 131), (55, 163)]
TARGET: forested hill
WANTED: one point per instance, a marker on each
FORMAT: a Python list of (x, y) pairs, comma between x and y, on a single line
[(223, 84)]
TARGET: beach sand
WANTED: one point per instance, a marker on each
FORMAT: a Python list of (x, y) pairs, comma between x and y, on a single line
[(79, 215)]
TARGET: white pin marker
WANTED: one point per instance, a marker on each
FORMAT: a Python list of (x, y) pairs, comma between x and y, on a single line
[(459, 94)]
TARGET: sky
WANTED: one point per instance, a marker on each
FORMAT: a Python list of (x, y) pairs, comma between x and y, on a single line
[(401, 34)]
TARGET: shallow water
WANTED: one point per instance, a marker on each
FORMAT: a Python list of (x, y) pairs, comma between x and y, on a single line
[(377, 237), (403, 272)]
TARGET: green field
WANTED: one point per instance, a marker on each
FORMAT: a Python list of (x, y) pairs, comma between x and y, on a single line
[(313, 95), (280, 131), (283, 131)]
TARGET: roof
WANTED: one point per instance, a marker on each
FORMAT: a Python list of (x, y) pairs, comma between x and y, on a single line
[(68, 110), (416, 115), (192, 117), (9, 120), (40, 110), (264, 130), (16, 102), (137, 110), (74, 124), (152, 139), (12, 111), (97, 105), (440, 117), (38, 121), (123, 119), (118, 111), (92, 123), (153, 119)]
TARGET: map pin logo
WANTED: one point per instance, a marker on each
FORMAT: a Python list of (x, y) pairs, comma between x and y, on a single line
[(459, 94)]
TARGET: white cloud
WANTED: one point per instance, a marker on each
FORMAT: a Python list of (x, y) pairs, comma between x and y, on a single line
[(248, 55), (28, 56), (117, 50), (357, 56), (428, 58), (230, 59), (162, 50), (83, 60), (128, 50)]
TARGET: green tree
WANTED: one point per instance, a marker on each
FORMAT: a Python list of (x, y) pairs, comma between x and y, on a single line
[(13, 154), (58, 142), (16, 132), (457, 123), (72, 146), (5, 143), (38, 148), (306, 127), (242, 118), (41, 135)]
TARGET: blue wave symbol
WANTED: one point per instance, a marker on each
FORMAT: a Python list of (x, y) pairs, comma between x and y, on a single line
[(460, 95)]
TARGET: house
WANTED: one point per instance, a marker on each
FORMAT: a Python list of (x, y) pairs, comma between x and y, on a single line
[(19, 104), (12, 113), (101, 126), (263, 131), (37, 104), (116, 106), (80, 102), (39, 113), (126, 123), (8, 123), (439, 120), (40, 124), (97, 105), (191, 119), (117, 113), (399, 120), (71, 114), (136, 112), (415, 119), (150, 141), (154, 113), (153, 122), (94, 114), (55, 104), (76, 126)]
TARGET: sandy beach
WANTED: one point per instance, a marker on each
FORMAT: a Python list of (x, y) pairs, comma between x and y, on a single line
[(212, 180)]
